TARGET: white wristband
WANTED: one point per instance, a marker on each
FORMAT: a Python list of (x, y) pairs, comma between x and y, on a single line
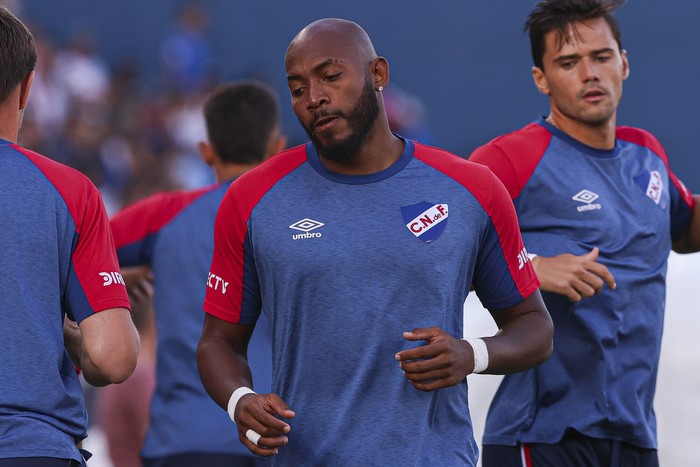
[(481, 354), (235, 397), (532, 256)]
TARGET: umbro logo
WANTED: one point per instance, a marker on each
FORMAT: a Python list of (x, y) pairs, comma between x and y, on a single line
[(306, 225), (586, 197)]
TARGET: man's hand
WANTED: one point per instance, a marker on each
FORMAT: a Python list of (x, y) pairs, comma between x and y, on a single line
[(577, 277), (443, 362), (73, 341), (258, 412), (139, 284)]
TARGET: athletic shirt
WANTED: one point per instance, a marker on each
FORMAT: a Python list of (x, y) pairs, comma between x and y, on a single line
[(342, 265), (57, 258), (571, 198), (174, 234)]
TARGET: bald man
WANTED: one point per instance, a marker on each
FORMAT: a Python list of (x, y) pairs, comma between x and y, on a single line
[(347, 245)]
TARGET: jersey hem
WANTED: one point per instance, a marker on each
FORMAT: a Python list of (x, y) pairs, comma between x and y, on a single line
[(528, 290), (557, 437), (219, 312)]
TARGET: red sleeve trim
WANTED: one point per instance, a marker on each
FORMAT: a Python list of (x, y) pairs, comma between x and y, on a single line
[(94, 252), (515, 156), (489, 192), (231, 228), (149, 215), (644, 138)]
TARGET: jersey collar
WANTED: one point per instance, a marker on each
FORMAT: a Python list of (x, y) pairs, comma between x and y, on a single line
[(591, 151), (315, 162)]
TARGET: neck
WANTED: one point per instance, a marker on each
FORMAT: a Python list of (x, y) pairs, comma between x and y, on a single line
[(600, 136), (9, 127), (11, 116), (226, 172), (379, 151)]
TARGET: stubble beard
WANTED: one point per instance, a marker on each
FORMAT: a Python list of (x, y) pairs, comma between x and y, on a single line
[(360, 118)]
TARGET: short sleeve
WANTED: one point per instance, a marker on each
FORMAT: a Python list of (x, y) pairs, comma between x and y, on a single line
[(504, 275), (94, 283)]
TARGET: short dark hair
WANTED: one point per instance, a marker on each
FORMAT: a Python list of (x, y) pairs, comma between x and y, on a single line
[(17, 52), (550, 15), (241, 118)]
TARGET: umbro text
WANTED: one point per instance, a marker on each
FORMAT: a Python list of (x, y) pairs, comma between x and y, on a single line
[(588, 207), (306, 235)]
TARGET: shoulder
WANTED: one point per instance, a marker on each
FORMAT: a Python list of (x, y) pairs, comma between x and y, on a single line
[(276, 167), (75, 189), (153, 212), (173, 200), (641, 138), (250, 187), (531, 140), (476, 178), (67, 180), (513, 157), (446, 162)]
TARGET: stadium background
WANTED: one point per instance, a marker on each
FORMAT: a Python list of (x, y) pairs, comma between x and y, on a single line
[(463, 67)]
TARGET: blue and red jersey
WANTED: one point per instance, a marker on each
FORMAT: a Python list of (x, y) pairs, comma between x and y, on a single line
[(341, 266), (58, 259), (571, 198), (173, 233)]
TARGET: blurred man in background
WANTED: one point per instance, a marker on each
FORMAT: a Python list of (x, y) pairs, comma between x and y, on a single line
[(173, 234)]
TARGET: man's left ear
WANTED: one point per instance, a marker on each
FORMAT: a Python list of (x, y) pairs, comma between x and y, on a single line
[(25, 87), (207, 152), (625, 64), (379, 69)]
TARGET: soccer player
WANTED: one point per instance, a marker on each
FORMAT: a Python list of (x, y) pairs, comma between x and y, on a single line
[(360, 247), (63, 301), (173, 234), (601, 208)]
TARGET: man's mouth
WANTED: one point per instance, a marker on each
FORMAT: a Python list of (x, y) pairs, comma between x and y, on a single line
[(594, 95), (324, 123)]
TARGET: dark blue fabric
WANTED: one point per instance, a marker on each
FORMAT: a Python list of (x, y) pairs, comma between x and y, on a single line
[(341, 276), (41, 401), (183, 417), (574, 450)]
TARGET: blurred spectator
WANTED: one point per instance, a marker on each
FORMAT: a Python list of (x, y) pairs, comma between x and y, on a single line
[(50, 96), (406, 114), (84, 73), (185, 52), (129, 143)]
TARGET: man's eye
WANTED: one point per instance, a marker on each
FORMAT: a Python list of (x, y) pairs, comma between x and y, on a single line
[(567, 65), (332, 77)]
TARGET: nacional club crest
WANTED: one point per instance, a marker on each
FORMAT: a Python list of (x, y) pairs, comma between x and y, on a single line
[(653, 186), (427, 221)]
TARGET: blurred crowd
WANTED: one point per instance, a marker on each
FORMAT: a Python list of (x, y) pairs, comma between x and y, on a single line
[(99, 118), (103, 120)]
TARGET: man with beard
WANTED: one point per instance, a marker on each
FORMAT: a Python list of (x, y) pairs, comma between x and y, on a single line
[(360, 248), (602, 209)]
